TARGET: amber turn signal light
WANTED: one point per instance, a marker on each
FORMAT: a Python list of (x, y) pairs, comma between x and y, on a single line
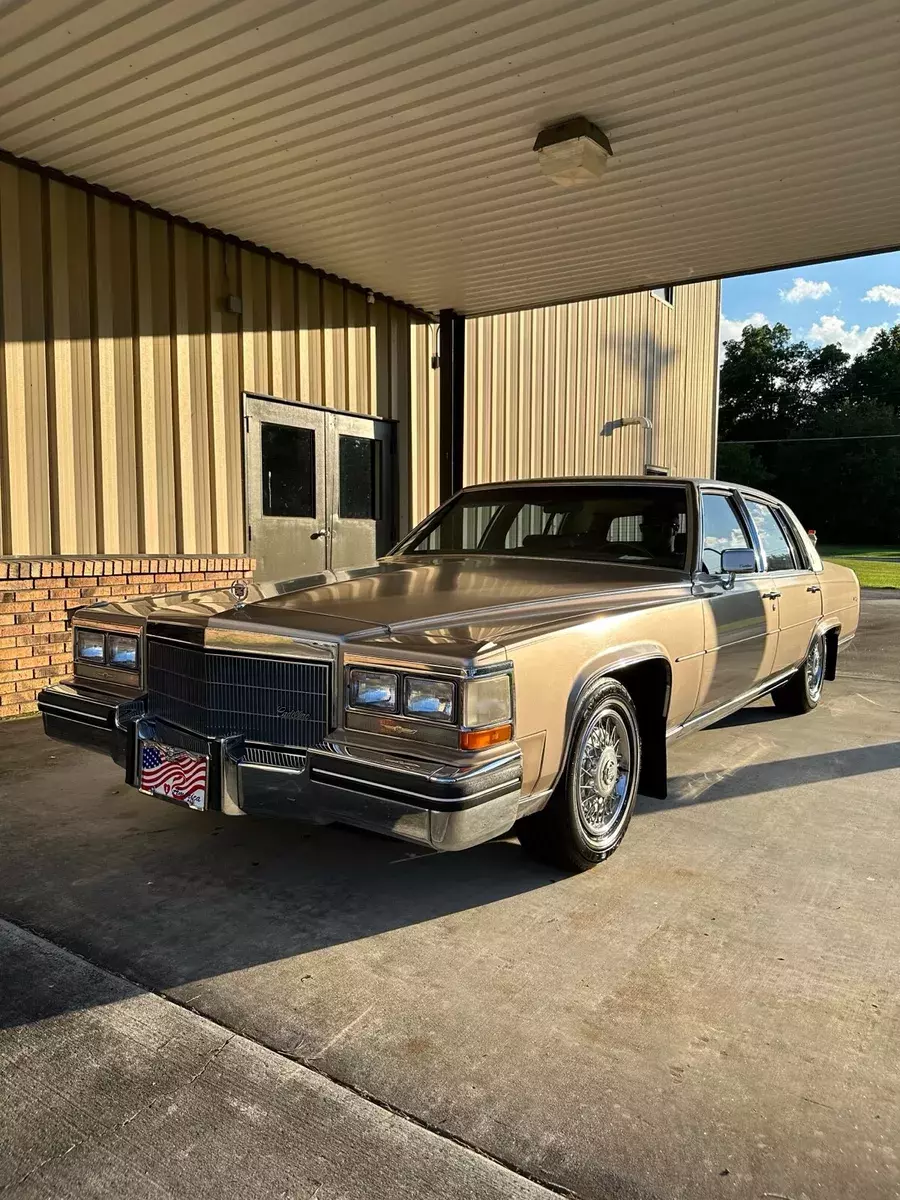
[(479, 739)]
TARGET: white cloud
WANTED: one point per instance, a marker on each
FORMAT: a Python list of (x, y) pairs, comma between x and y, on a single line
[(885, 292), (832, 331), (731, 330), (806, 289)]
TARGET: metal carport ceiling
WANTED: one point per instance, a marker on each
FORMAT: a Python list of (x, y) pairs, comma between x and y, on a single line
[(391, 142)]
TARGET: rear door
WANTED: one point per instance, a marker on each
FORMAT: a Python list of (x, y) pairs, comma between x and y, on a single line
[(791, 580)]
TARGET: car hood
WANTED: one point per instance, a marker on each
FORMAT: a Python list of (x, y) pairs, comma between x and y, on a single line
[(471, 599)]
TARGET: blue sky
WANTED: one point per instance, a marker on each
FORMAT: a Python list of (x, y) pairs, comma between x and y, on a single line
[(842, 302)]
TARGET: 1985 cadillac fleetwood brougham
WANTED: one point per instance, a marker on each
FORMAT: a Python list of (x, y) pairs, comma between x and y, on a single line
[(519, 662)]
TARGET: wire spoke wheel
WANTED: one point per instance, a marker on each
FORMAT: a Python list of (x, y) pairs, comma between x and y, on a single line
[(815, 668), (603, 779)]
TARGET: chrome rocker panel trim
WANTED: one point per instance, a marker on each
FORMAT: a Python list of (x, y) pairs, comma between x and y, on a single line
[(441, 804)]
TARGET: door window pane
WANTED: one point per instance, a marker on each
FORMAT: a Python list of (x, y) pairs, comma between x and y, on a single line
[(358, 478), (779, 556), (288, 471), (722, 530)]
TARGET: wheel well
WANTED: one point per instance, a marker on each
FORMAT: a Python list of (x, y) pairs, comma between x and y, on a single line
[(649, 684), (831, 652)]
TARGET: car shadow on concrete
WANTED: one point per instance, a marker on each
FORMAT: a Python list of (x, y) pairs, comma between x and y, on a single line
[(760, 777), (165, 897)]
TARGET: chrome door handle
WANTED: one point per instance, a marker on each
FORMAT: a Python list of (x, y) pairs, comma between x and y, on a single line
[(770, 595), (814, 588)]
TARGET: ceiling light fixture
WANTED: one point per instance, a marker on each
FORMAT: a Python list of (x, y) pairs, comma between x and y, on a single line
[(573, 153)]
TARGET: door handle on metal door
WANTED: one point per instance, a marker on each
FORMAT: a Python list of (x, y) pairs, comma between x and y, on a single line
[(770, 595), (814, 588), (319, 533)]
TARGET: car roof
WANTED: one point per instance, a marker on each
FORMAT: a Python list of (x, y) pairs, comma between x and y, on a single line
[(648, 480)]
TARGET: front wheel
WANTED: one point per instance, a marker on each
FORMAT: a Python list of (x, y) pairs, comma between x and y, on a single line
[(585, 819), (803, 690)]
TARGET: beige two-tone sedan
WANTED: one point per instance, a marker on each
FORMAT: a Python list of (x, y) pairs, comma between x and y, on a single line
[(520, 662)]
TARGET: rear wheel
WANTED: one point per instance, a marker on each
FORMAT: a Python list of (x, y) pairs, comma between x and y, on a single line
[(803, 690), (586, 817)]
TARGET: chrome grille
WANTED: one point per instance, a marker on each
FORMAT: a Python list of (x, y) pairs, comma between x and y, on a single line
[(278, 701), (265, 756)]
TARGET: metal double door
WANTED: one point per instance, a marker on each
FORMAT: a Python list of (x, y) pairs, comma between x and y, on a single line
[(318, 485)]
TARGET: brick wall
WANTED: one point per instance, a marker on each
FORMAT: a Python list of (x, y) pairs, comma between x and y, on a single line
[(37, 594)]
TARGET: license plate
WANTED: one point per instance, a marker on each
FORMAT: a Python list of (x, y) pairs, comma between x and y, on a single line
[(174, 774)]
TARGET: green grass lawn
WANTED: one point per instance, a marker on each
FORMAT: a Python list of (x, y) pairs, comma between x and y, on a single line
[(869, 562)]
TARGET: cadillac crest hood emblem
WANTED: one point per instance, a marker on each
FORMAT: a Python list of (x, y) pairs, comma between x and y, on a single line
[(240, 590)]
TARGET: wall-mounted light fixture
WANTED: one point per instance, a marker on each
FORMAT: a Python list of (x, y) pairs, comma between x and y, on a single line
[(573, 153), (644, 422)]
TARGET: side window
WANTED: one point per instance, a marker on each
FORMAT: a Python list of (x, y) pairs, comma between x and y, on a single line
[(777, 548), (722, 530)]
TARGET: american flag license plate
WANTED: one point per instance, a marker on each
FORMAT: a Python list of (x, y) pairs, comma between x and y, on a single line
[(178, 775)]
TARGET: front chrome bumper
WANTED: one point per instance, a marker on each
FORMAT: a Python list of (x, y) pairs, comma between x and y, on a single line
[(443, 804)]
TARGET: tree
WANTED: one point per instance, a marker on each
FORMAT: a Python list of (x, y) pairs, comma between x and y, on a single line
[(875, 374), (774, 391)]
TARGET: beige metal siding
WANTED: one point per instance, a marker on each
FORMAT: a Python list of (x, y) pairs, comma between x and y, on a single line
[(546, 388), (121, 371)]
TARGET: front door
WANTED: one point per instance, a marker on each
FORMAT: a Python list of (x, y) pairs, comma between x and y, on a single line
[(319, 488), (740, 618)]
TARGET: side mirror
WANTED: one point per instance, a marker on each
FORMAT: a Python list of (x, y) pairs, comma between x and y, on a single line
[(738, 562)]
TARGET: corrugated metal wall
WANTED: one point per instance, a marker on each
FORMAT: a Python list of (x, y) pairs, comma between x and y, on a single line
[(545, 388), (122, 366), (121, 371)]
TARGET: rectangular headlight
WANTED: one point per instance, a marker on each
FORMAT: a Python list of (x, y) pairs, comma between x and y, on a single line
[(487, 701), (429, 699), (373, 689), (122, 651), (90, 646)]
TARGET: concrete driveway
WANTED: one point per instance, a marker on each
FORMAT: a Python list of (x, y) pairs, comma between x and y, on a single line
[(198, 1006)]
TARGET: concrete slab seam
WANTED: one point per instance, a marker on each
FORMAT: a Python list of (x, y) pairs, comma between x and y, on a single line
[(231, 1035)]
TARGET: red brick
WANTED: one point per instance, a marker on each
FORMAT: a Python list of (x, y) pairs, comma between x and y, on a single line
[(33, 639), (30, 659)]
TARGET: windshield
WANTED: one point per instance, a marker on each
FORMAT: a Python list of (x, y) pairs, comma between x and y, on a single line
[(634, 523)]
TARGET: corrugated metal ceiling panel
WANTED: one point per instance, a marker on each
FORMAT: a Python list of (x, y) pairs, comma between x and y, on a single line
[(391, 142)]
